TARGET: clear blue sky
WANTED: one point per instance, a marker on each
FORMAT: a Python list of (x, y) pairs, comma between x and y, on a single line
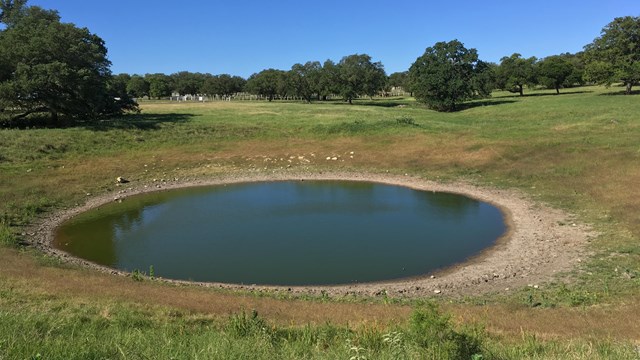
[(246, 36)]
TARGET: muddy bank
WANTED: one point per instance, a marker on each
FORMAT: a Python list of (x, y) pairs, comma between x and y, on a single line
[(541, 241)]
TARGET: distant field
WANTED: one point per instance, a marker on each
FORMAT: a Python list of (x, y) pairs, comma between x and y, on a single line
[(578, 151)]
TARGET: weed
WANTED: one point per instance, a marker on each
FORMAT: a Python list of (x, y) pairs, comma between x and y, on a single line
[(138, 275), (406, 120), (395, 341), (434, 332), (356, 352), (246, 325), (7, 237)]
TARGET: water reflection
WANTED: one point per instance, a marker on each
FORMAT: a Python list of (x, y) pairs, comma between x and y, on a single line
[(290, 233)]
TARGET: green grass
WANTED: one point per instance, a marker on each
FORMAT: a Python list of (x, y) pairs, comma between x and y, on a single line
[(50, 328), (578, 151)]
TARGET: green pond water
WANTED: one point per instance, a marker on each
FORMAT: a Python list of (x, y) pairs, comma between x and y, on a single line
[(285, 233)]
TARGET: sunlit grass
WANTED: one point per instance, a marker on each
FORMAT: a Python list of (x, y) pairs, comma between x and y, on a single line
[(578, 151)]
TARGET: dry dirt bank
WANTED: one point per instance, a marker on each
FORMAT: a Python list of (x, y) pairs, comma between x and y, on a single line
[(540, 243)]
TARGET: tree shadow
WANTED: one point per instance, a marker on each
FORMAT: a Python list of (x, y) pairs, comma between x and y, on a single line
[(383, 103), (380, 102), (481, 103), (618, 93), (516, 96), (137, 122)]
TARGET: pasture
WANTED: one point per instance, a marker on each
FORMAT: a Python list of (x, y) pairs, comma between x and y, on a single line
[(577, 151)]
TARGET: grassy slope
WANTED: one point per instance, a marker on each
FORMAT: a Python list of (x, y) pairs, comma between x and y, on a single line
[(578, 151)]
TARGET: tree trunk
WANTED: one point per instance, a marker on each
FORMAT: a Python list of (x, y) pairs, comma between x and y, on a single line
[(557, 90), (628, 90), (54, 117), (520, 90)]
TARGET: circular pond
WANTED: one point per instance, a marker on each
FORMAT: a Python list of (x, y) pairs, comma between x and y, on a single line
[(284, 233)]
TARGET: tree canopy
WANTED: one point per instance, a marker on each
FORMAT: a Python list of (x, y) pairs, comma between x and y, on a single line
[(268, 83), (222, 85), (51, 67), (357, 76), (515, 72), (305, 79), (554, 72), (138, 86), (159, 85), (448, 74), (615, 55)]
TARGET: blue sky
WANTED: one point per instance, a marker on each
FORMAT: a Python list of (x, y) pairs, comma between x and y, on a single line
[(243, 37)]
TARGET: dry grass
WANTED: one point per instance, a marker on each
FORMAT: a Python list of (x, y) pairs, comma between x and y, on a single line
[(563, 150), (78, 285), (82, 285)]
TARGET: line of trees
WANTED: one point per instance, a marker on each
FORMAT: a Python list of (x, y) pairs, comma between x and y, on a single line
[(54, 68), (354, 76)]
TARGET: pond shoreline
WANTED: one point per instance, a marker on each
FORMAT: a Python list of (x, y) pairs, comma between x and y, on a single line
[(540, 242)]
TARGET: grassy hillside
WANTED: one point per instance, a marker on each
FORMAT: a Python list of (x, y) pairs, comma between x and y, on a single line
[(578, 151)]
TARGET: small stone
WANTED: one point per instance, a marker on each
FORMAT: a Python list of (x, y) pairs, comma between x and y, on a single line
[(328, 157), (334, 158), (432, 277), (29, 170), (121, 180), (437, 291)]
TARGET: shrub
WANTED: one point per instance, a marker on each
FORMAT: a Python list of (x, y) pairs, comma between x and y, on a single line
[(7, 237), (433, 332)]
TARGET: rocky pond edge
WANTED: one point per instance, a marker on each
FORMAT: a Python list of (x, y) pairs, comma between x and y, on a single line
[(540, 242)]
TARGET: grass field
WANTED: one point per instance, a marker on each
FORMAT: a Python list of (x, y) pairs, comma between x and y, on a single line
[(578, 151)]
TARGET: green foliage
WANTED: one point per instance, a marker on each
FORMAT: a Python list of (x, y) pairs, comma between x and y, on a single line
[(222, 85), (515, 72), (554, 72), (7, 237), (268, 83), (615, 55), (357, 76), (11, 11), (305, 79), (448, 74), (138, 275), (406, 120), (247, 325), (160, 85), (138, 86), (328, 81), (400, 79), (434, 332), (187, 83), (51, 67)]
